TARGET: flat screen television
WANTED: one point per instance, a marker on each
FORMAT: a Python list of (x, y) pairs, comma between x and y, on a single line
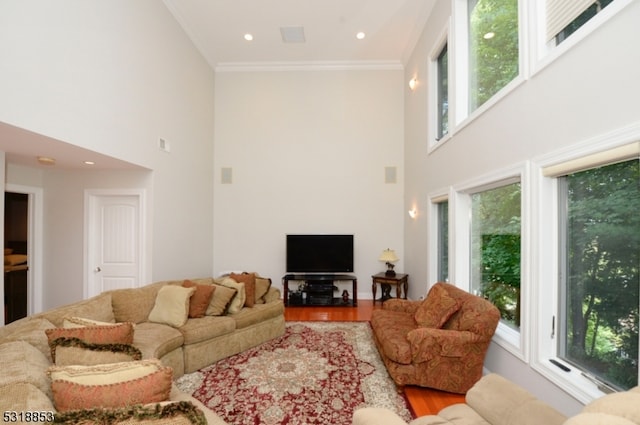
[(319, 253)]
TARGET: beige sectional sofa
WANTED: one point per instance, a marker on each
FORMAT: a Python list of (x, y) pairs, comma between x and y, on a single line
[(227, 328), (494, 400)]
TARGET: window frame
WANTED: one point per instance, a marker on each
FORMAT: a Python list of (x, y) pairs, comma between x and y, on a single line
[(544, 53), (435, 199), (513, 340), (459, 61), (545, 296), (442, 41)]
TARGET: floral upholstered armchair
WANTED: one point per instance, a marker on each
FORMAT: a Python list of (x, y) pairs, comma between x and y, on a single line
[(440, 342)]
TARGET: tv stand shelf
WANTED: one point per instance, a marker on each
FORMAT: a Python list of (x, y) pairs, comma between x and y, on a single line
[(318, 290)]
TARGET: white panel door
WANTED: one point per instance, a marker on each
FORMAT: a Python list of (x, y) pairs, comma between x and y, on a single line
[(114, 242)]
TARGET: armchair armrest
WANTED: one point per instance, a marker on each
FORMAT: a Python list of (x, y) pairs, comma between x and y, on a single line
[(430, 343), (398, 304)]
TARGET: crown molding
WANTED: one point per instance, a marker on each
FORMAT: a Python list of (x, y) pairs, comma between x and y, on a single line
[(309, 66)]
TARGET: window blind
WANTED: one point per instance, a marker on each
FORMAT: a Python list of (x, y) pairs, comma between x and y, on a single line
[(610, 156), (561, 13)]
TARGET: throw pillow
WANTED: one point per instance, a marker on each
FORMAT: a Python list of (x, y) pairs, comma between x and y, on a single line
[(221, 300), (263, 285), (81, 322), (200, 299), (241, 296), (111, 385), (121, 333), (437, 308), (174, 413), (249, 280), (172, 306), (73, 351)]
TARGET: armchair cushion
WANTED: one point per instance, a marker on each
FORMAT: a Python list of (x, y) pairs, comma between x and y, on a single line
[(427, 343), (437, 308)]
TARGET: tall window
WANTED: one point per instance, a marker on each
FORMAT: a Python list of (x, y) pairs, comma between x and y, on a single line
[(493, 47), (443, 241), (442, 70), (495, 249), (600, 284)]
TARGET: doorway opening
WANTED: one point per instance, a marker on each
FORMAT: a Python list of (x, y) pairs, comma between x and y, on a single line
[(23, 252), (16, 265)]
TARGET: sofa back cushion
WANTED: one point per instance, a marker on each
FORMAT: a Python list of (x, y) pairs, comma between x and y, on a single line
[(134, 304), (96, 308)]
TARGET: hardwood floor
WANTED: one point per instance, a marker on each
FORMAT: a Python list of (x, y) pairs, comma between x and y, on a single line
[(423, 401)]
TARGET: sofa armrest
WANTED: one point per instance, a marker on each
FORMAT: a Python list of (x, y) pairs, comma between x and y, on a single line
[(273, 294), (502, 402), (430, 343), (398, 304)]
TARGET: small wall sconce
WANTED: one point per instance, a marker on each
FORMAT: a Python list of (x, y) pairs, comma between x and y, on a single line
[(413, 212), (413, 83)]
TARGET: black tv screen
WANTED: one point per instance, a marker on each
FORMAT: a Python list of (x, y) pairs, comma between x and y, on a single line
[(319, 253)]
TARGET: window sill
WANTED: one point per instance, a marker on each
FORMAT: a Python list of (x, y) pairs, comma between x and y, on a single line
[(572, 382)]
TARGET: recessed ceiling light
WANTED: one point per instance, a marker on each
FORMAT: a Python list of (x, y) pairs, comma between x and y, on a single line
[(248, 37), (360, 35), (489, 35), (89, 162)]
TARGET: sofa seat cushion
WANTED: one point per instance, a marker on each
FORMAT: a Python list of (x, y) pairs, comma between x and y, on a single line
[(155, 339), (258, 313), (205, 328), (391, 329)]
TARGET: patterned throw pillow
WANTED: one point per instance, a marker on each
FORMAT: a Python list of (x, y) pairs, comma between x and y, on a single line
[(111, 385), (122, 333), (437, 308), (200, 299), (82, 322), (73, 351), (174, 413)]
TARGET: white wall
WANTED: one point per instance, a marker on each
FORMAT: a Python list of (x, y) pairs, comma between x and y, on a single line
[(591, 90), (114, 77), (308, 151)]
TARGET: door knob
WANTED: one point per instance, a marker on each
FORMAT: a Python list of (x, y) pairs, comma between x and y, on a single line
[(97, 269)]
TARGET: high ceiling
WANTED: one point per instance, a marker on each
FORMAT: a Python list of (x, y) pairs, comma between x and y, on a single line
[(217, 27), (329, 27)]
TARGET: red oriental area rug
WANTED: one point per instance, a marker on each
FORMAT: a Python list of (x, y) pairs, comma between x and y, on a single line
[(316, 373)]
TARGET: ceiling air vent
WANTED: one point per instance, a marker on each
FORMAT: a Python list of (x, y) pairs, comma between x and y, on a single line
[(292, 34)]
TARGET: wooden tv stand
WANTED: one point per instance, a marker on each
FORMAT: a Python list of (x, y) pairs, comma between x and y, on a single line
[(318, 290)]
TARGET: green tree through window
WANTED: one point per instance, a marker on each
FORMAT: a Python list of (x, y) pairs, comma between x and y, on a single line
[(493, 48), (602, 287), (495, 249)]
